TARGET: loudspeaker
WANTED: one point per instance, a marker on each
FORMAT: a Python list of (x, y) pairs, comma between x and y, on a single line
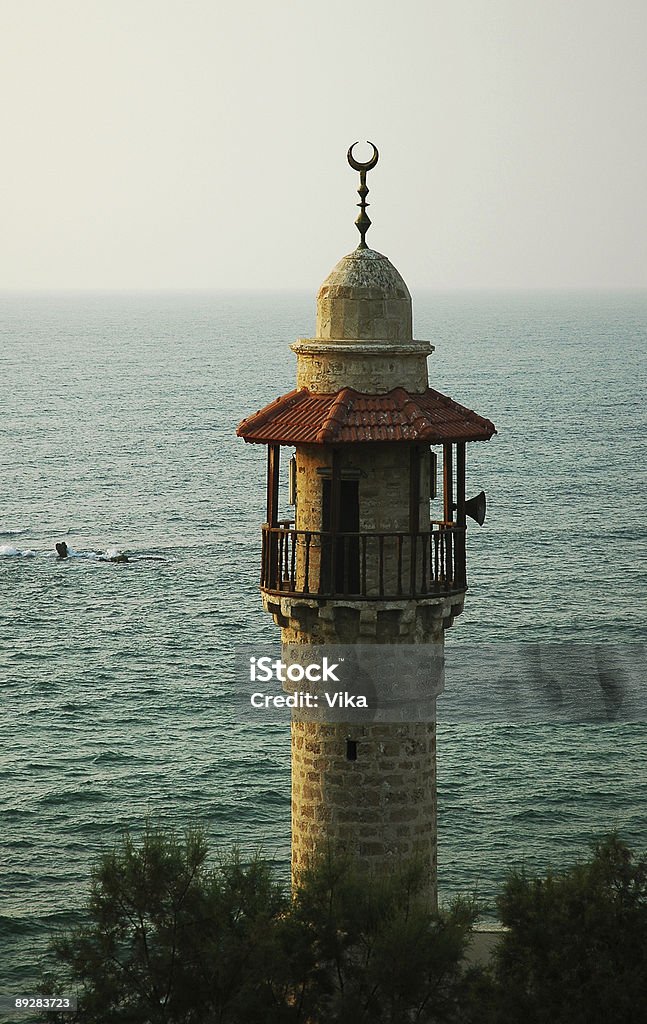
[(476, 508)]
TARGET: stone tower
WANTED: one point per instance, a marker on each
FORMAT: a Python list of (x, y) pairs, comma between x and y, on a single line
[(363, 562)]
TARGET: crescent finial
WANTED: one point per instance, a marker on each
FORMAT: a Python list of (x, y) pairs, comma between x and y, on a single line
[(368, 165), (363, 221)]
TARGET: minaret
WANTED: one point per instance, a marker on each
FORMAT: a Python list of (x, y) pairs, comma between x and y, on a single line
[(364, 562)]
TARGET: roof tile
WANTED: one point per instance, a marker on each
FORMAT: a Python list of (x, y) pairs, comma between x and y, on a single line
[(350, 416)]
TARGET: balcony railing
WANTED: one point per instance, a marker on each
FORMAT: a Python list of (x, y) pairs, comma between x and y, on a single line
[(388, 565)]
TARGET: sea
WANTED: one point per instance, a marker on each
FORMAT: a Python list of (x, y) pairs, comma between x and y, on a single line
[(118, 416)]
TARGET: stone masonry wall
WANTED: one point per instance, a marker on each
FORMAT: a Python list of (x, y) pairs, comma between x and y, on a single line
[(371, 369), (383, 474), (382, 471), (380, 808)]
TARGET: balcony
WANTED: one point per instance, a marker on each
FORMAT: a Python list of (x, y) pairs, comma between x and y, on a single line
[(363, 566)]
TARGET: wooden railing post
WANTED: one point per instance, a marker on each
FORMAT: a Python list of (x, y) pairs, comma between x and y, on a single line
[(460, 570), (448, 505), (413, 552), (381, 563), (264, 576)]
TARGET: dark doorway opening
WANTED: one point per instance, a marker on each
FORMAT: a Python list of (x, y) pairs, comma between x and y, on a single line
[(340, 550)]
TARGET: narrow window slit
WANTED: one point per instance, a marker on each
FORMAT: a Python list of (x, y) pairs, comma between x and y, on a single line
[(351, 750)]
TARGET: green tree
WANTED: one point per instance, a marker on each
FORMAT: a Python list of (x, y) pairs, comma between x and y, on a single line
[(576, 947), (381, 955), (170, 939)]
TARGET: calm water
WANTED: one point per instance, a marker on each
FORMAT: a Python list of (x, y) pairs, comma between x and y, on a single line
[(117, 429)]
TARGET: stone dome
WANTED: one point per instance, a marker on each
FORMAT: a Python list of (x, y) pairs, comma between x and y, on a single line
[(364, 298)]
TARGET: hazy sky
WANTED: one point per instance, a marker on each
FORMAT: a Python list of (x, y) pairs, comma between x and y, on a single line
[(202, 144)]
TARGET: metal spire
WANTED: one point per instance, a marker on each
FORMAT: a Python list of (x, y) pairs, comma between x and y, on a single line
[(363, 221)]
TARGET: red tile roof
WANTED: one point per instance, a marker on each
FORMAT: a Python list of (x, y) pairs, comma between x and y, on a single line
[(350, 416)]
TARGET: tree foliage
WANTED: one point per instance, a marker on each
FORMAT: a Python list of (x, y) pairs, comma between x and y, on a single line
[(382, 955), (576, 947), (170, 939)]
